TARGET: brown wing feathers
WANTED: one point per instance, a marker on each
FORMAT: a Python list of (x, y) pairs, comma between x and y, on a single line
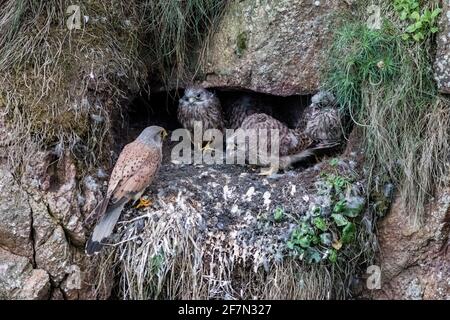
[(133, 172)]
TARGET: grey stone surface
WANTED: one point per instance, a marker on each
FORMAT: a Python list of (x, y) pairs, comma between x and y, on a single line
[(18, 279), (273, 47), (442, 62), (15, 216)]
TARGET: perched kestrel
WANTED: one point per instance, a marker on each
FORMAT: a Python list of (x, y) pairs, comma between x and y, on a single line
[(243, 107), (321, 120), (294, 145), (198, 104), (324, 124), (134, 171)]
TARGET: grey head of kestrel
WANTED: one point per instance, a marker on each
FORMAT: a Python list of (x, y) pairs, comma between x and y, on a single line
[(134, 171)]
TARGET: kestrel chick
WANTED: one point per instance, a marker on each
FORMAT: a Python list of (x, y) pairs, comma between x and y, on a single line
[(198, 104), (321, 120), (134, 171), (243, 107), (294, 145), (324, 124)]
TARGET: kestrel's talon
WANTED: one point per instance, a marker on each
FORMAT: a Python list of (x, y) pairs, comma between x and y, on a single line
[(144, 203), (267, 172), (207, 147)]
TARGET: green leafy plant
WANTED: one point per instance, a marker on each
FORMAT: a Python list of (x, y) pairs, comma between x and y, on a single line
[(278, 214), (348, 233), (320, 224), (319, 235), (332, 256), (337, 182), (405, 7), (421, 24)]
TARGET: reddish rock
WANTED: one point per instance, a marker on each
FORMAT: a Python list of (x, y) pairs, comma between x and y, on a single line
[(413, 262), (18, 279)]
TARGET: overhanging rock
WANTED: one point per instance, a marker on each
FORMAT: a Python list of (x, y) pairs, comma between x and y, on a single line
[(273, 47)]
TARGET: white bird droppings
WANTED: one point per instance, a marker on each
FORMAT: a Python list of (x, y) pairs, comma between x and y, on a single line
[(226, 193), (248, 195), (266, 197), (293, 189)]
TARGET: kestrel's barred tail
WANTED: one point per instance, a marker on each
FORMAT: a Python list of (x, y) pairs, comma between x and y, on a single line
[(313, 150), (134, 171), (104, 228)]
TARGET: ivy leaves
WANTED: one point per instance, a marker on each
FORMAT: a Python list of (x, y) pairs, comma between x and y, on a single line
[(322, 233)]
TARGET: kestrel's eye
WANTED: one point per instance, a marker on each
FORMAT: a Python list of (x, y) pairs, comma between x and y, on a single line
[(198, 95)]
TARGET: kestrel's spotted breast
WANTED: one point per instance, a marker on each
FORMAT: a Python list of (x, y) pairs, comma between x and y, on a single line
[(134, 170)]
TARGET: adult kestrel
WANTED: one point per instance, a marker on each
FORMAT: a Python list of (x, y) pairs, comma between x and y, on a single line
[(134, 171)]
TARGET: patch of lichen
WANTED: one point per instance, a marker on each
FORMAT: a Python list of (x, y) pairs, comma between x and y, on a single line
[(241, 43)]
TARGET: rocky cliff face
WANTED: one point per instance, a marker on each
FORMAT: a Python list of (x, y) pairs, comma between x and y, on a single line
[(42, 235), (414, 260), (272, 47), (442, 66)]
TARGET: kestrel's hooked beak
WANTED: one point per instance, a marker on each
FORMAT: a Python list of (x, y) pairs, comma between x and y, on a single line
[(163, 134)]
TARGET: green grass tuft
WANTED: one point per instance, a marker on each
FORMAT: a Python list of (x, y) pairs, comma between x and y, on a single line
[(385, 85)]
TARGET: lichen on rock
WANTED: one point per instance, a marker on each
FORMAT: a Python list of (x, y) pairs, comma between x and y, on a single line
[(263, 45)]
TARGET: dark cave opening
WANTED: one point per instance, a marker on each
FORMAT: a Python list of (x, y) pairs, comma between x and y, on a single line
[(160, 108)]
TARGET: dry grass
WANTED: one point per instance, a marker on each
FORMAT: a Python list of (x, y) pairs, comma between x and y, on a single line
[(175, 30), (173, 261), (60, 88), (172, 251), (403, 118)]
